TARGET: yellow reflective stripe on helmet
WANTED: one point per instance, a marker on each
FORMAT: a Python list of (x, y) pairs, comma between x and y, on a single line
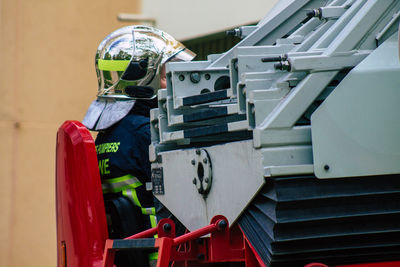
[(153, 256), (131, 194), (112, 65), (118, 184)]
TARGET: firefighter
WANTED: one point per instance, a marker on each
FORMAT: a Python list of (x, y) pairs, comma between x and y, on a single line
[(130, 67)]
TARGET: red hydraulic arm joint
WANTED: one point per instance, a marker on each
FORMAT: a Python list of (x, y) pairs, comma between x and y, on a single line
[(224, 244), (190, 247)]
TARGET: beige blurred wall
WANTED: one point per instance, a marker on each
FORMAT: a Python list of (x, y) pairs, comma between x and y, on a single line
[(46, 77), (190, 19)]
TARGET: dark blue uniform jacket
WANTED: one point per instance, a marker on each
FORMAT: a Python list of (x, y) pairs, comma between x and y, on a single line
[(124, 149)]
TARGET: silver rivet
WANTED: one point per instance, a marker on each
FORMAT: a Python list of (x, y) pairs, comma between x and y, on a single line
[(195, 77)]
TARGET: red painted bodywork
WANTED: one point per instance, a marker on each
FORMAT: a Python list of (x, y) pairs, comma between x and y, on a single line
[(192, 249), (82, 226), (81, 219), (376, 264), (223, 246)]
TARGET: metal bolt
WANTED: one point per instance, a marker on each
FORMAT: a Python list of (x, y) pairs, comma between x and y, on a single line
[(271, 59), (195, 77), (234, 32), (193, 162), (198, 151), (205, 91), (207, 76), (310, 13), (181, 77), (194, 181), (205, 160), (314, 13), (167, 227), (326, 167), (231, 32), (286, 65), (278, 66), (222, 224), (206, 180), (283, 65)]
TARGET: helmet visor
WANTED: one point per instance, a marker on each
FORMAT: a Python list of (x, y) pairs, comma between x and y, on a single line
[(183, 55)]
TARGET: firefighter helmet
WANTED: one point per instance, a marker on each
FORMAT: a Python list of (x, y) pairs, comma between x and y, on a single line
[(128, 66)]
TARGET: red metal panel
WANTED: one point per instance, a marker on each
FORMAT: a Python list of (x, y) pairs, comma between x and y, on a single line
[(81, 220), (376, 264), (251, 256), (222, 246)]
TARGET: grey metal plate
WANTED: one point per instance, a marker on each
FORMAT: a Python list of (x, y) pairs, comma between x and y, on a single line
[(356, 131), (237, 175)]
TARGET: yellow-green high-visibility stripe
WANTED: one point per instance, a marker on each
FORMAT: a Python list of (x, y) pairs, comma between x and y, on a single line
[(132, 195), (153, 256), (153, 222), (149, 211), (112, 65), (118, 184)]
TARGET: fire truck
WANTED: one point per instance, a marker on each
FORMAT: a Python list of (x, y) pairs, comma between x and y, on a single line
[(282, 151)]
